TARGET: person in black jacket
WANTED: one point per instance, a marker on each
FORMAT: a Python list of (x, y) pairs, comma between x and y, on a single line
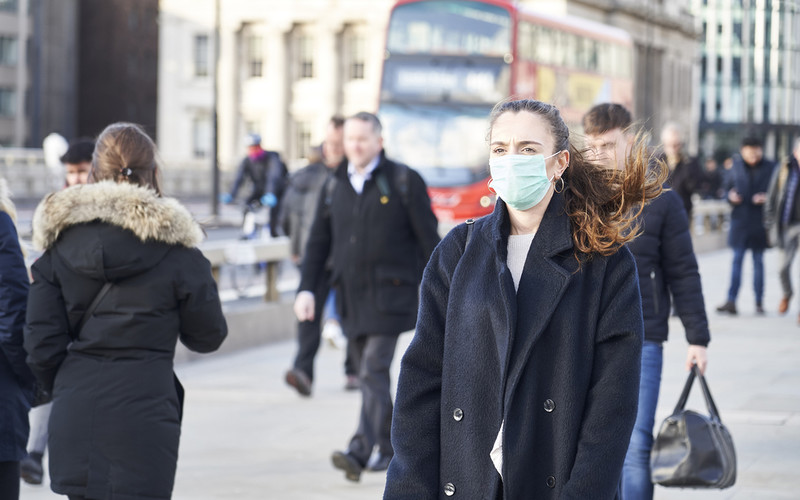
[(299, 206), (782, 218), (16, 379), (667, 267), (685, 174), (267, 174), (120, 281), (376, 225), (746, 189)]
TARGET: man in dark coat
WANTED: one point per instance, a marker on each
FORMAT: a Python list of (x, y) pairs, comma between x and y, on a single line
[(267, 173), (685, 174), (377, 227), (747, 192), (16, 379), (782, 218), (666, 266), (299, 206)]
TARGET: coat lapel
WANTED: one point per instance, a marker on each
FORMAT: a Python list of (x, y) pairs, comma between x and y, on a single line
[(548, 271)]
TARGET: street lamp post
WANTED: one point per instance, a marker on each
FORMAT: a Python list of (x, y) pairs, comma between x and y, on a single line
[(215, 118)]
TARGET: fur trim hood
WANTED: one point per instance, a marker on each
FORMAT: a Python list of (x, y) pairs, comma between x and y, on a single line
[(128, 206)]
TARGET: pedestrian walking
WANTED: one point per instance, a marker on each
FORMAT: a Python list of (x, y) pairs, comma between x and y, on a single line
[(376, 226), (747, 192), (667, 267), (522, 378), (298, 210), (782, 219), (268, 175), (685, 174), (77, 161), (16, 379), (120, 281)]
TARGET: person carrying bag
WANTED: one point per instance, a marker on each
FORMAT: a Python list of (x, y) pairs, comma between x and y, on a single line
[(693, 450)]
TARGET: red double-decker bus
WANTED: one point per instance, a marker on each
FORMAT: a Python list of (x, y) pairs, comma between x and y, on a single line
[(448, 62)]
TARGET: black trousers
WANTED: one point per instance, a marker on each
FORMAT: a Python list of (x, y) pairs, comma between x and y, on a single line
[(9, 480), (374, 354), (310, 332)]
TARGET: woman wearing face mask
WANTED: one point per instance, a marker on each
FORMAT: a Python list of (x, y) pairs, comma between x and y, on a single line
[(522, 379)]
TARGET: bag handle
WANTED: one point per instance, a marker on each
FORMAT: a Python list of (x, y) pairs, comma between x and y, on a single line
[(710, 405)]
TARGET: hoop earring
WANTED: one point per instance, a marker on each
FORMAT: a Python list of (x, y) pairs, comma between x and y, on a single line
[(555, 185), (491, 190)]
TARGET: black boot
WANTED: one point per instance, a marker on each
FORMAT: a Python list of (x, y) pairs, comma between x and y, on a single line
[(728, 307)]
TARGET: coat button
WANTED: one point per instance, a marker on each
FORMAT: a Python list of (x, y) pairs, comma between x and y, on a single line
[(549, 405), (551, 482), (449, 489), (458, 414)]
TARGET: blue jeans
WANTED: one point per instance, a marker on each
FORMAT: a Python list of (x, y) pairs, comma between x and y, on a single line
[(736, 274), (636, 483), (330, 306)]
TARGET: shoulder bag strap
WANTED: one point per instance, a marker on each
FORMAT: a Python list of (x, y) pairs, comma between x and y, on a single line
[(90, 310)]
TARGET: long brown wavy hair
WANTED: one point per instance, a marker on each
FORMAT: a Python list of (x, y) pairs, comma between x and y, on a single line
[(602, 203), (125, 153)]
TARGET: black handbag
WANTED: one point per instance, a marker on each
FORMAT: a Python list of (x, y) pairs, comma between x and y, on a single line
[(693, 450)]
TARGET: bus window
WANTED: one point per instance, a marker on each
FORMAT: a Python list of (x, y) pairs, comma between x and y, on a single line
[(450, 27)]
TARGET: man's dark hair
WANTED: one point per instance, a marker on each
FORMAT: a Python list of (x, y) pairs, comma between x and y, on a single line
[(337, 121), (369, 118), (752, 140), (79, 151), (604, 117)]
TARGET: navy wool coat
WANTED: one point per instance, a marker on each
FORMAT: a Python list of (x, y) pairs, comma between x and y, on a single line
[(16, 380), (747, 219), (558, 361)]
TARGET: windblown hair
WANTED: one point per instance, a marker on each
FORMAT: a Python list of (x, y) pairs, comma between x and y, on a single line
[(125, 153), (601, 202)]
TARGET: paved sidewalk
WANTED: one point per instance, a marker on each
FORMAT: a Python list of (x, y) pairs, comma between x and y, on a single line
[(247, 436)]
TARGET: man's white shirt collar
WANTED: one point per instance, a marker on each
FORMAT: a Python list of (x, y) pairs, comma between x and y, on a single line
[(357, 179)]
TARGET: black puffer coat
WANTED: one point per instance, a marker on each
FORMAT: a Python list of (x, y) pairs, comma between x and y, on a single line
[(668, 269), (115, 423)]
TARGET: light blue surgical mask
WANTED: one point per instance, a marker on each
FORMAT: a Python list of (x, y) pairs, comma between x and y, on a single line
[(520, 180)]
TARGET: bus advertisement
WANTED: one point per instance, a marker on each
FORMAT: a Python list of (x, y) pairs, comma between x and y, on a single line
[(447, 63)]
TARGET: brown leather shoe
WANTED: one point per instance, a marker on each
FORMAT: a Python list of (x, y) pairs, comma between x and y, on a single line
[(299, 381), (784, 305)]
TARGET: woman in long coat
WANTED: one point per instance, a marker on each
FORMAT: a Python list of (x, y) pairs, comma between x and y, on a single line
[(115, 423), (522, 379), (16, 380)]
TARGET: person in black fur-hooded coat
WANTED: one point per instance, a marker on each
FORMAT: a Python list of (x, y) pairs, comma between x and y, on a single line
[(117, 406)]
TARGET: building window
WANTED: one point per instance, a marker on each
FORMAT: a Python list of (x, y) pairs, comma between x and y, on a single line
[(8, 102), (8, 5), (201, 66), (8, 51), (736, 71), (255, 56), (303, 139), (356, 55), (305, 52), (201, 137)]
